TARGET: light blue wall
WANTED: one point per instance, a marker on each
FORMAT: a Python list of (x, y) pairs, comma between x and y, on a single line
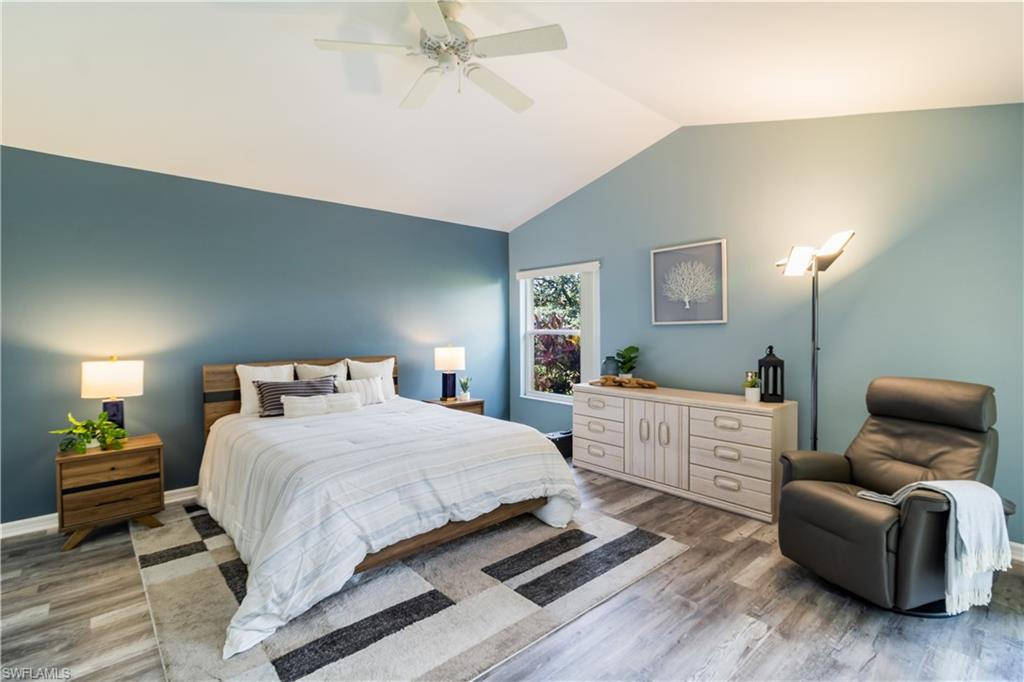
[(931, 285), (100, 260)]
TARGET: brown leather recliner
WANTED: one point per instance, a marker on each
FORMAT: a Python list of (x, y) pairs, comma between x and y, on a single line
[(917, 430)]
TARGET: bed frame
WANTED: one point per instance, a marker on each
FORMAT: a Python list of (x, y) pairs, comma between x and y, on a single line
[(222, 396)]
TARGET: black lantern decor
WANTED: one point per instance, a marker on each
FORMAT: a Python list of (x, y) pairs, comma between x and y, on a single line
[(772, 371)]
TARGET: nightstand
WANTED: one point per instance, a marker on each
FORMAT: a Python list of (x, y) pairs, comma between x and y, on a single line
[(474, 406), (104, 486)]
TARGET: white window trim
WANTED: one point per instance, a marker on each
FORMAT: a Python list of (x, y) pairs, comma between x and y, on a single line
[(590, 326)]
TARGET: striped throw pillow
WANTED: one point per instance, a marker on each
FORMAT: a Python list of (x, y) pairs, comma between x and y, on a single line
[(271, 392), (369, 390)]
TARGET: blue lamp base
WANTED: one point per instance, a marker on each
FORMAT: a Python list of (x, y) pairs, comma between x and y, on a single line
[(448, 386), (115, 410)]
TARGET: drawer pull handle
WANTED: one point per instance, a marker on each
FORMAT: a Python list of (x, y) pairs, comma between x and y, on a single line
[(595, 403), (663, 440), (127, 499), (728, 423), (727, 483), (596, 427), (731, 454), (645, 430), (595, 450)]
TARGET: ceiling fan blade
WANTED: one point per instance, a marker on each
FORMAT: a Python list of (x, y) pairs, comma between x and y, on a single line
[(422, 88), (498, 88), (431, 19), (541, 39), (352, 46)]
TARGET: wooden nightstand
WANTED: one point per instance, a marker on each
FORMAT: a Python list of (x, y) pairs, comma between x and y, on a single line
[(103, 486), (474, 406)]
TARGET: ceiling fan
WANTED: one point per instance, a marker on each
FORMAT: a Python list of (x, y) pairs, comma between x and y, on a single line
[(452, 46)]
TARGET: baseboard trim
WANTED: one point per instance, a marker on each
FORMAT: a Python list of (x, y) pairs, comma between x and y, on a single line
[(48, 522)]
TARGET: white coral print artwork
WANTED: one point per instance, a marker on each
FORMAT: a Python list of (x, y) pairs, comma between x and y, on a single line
[(689, 281)]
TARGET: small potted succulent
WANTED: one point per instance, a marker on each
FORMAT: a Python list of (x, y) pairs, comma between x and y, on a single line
[(464, 386), (91, 433), (627, 358), (752, 388)]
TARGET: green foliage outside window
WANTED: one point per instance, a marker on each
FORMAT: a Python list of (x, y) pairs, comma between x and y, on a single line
[(556, 358)]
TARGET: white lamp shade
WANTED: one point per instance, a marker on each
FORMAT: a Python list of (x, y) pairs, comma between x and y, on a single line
[(111, 378), (449, 359)]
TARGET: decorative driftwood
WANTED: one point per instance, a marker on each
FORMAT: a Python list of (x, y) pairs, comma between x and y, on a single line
[(612, 380)]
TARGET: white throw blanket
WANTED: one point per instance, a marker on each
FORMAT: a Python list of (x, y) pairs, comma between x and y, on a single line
[(976, 540)]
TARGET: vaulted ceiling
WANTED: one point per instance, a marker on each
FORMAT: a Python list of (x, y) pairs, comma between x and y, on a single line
[(236, 93)]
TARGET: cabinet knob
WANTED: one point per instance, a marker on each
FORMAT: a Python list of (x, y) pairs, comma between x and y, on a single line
[(645, 430), (663, 440), (596, 427), (595, 403), (595, 450)]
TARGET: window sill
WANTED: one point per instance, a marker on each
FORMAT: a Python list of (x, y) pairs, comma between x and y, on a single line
[(548, 398)]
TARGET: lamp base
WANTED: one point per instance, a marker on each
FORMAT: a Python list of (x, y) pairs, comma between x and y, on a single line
[(448, 387), (115, 410)]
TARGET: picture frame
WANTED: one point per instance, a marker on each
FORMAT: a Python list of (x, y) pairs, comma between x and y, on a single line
[(690, 283)]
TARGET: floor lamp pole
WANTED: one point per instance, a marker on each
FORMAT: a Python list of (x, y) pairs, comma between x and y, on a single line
[(814, 353)]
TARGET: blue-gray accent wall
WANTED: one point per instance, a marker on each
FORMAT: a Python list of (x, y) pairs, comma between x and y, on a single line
[(101, 260), (931, 285)]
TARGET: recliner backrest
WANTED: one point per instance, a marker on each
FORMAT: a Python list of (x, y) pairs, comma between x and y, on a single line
[(924, 429)]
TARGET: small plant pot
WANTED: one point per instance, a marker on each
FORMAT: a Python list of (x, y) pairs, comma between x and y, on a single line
[(753, 395), (625, 376), (464, 396)]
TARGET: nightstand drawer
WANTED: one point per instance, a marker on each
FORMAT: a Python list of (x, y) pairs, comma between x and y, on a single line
[(111, 502), (115, 467)]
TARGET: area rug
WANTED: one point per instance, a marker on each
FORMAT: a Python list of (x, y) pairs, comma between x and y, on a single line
[(450, 613)]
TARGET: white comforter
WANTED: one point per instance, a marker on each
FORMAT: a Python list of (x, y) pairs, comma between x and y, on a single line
[(306, 499)]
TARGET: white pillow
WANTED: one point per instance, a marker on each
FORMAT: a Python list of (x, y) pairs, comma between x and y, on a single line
[(338, 369), (370, 391), (250, 373), (306, 406), (367, 370)]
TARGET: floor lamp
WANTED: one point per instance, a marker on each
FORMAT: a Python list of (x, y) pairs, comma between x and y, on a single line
[(801, 261)]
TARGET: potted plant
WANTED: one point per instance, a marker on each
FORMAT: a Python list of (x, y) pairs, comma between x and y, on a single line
[(91, 433), (752, 388), (627, 358), (464, 385)]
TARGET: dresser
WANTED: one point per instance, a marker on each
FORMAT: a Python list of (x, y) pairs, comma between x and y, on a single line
[(714, 448)]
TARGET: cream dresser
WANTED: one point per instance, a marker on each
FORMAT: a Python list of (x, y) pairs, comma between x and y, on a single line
[(710, 447)]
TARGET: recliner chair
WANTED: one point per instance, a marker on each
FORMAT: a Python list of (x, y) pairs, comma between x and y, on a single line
[(917, 430)]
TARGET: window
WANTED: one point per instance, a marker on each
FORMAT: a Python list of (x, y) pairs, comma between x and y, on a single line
[(559, 324)]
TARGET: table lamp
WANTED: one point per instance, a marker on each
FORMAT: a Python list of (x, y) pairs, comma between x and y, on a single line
[(112, 380), (447, 361)]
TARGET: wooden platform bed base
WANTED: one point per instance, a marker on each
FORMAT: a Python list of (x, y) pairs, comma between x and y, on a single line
[(448, 532)]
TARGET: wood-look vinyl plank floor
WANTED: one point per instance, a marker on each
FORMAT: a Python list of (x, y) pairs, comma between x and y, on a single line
[(730, 607)]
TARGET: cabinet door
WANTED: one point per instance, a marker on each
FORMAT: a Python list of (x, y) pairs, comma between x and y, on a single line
[(671, 466), (641, 439)]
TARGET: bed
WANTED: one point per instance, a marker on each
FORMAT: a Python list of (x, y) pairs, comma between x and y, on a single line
[(310, 501)]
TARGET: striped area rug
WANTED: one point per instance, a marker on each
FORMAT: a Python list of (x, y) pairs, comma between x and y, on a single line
[(450, 613)]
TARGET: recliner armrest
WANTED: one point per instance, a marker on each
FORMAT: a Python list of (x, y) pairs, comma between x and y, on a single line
[(812, 465), (922, 502), (1009, 507)]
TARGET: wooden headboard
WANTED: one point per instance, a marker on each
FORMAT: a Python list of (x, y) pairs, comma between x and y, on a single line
[(222, 392)]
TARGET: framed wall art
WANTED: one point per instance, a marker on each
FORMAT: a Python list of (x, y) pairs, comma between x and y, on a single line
[(689, 284)]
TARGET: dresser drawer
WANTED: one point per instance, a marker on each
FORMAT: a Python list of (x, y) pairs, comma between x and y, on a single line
[(117, 466), (732, 457), (601, 454), (735, 427), (593, 405), (742, 490), (111, 502), (597, 429)]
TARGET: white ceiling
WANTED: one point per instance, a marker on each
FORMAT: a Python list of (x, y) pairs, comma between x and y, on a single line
[(236, 93)]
